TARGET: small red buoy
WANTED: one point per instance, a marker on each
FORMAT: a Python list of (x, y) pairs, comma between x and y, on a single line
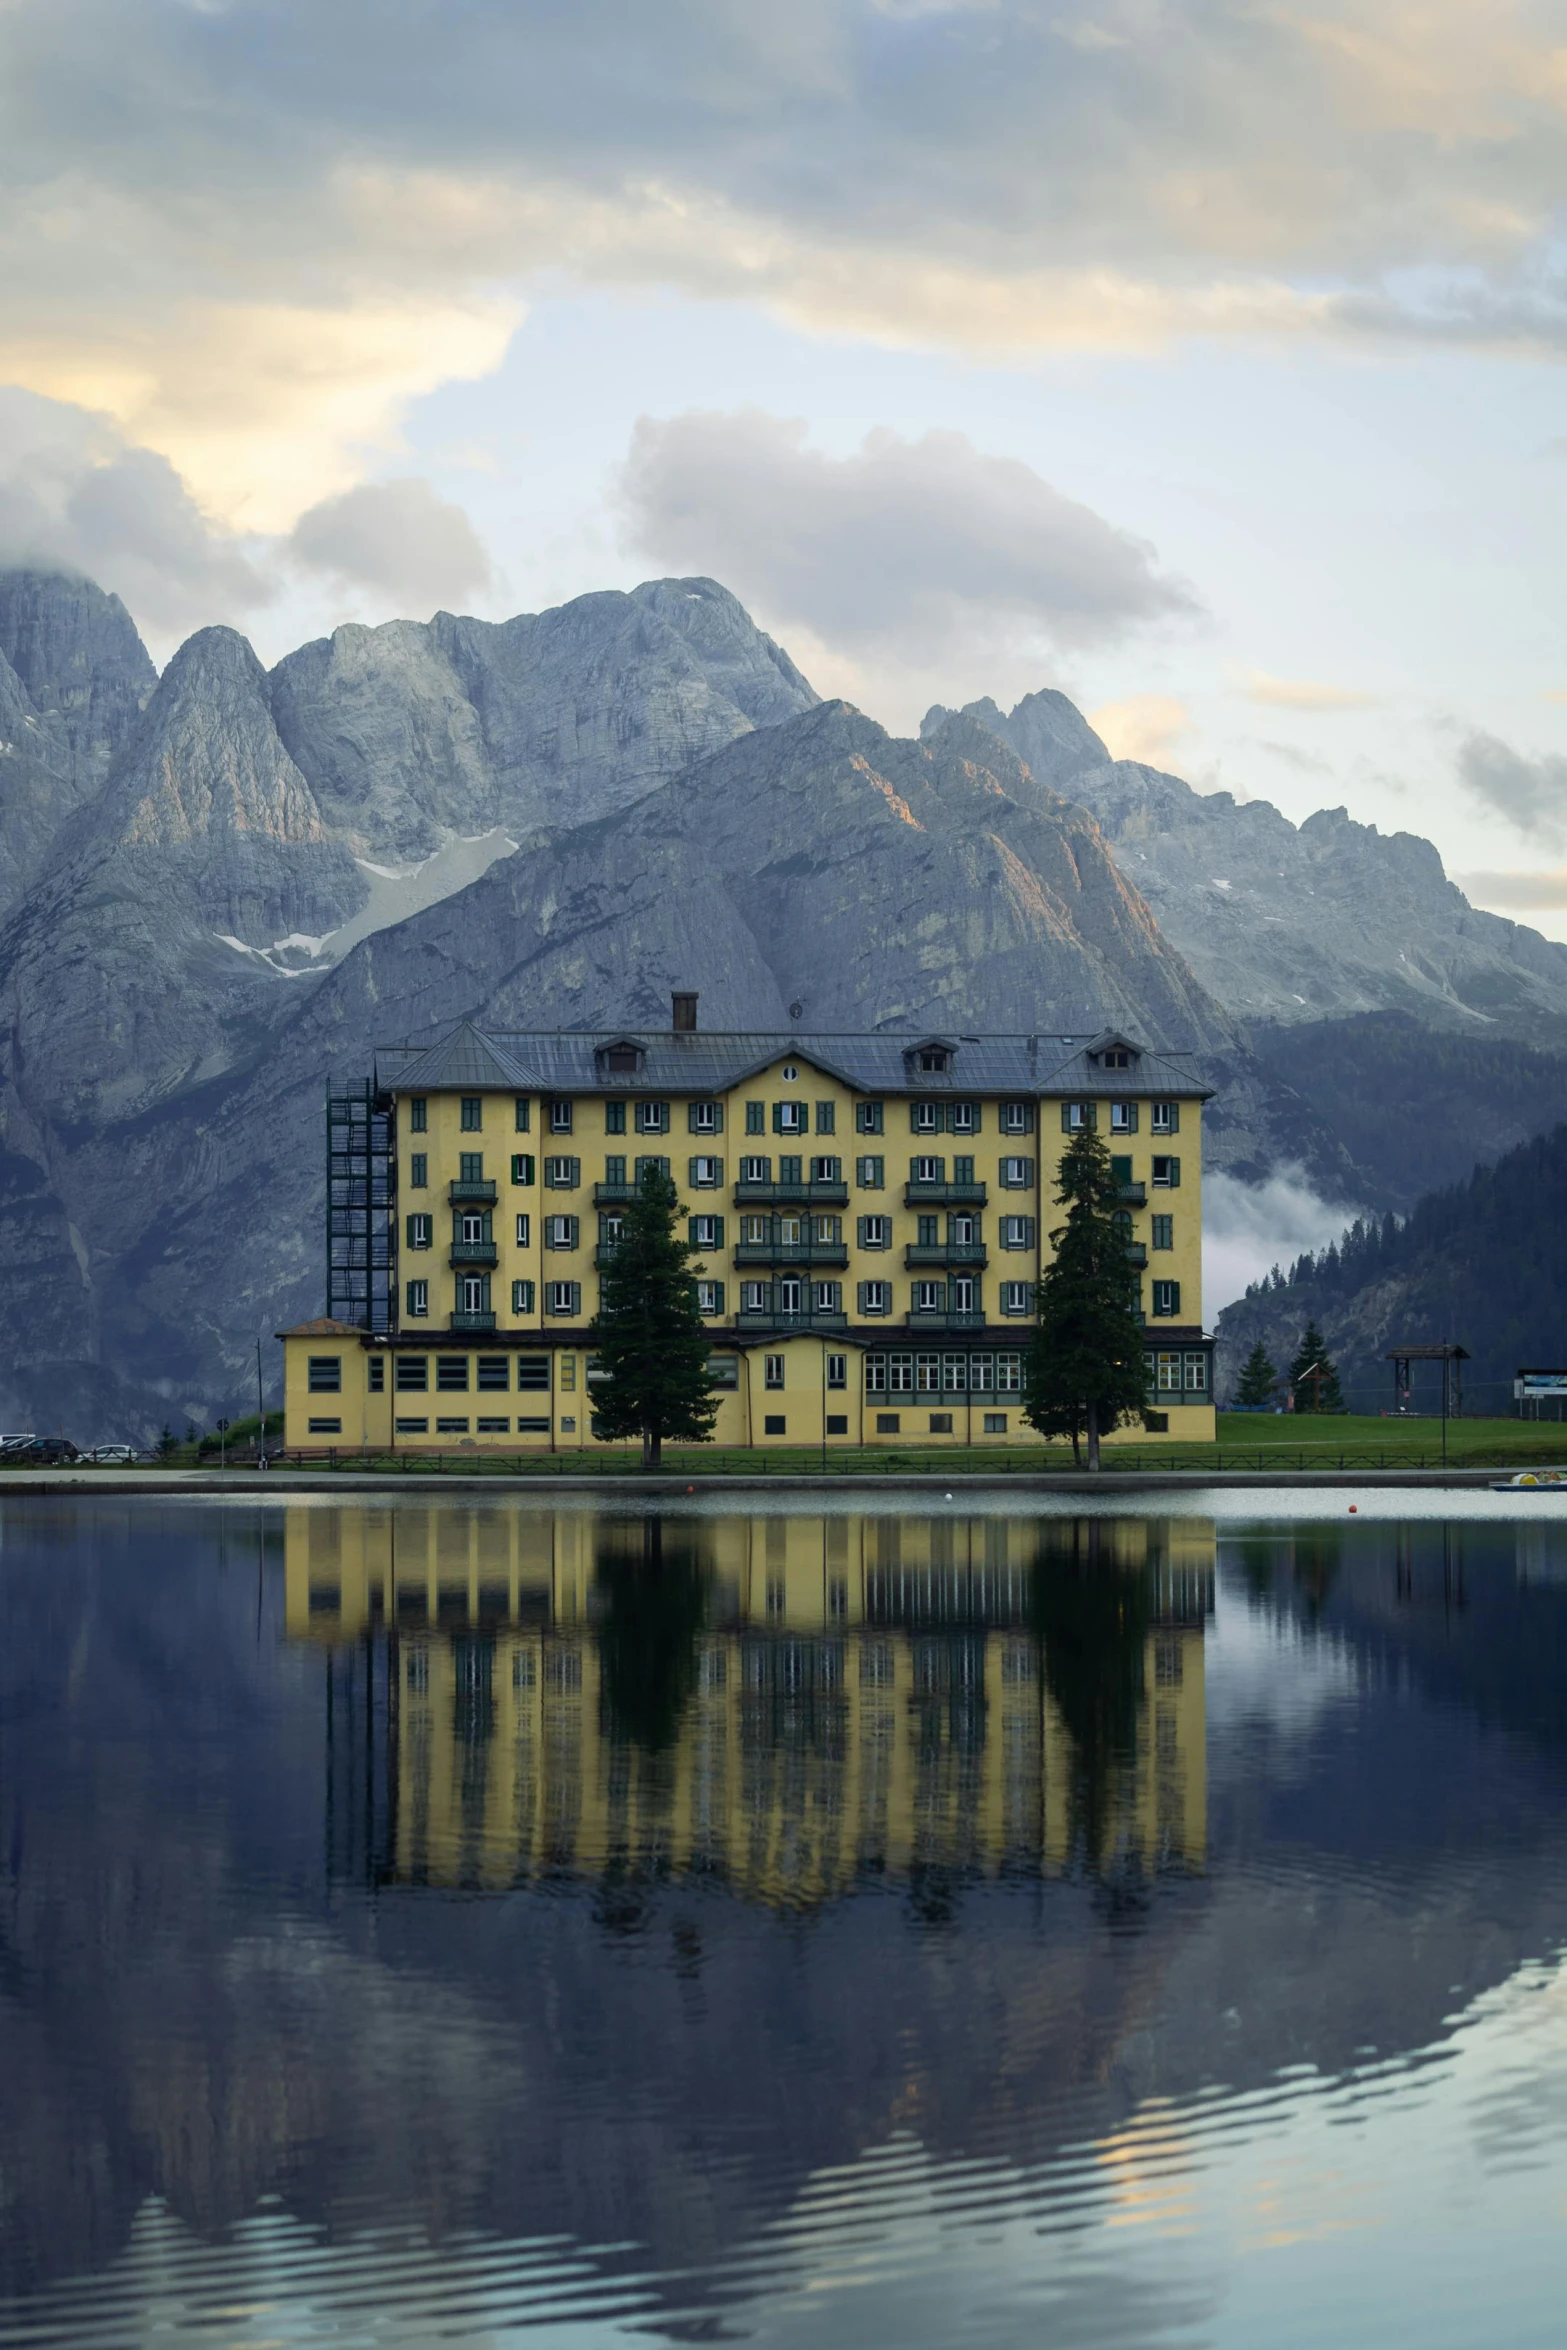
[(1353, 1507), (690, 1489)]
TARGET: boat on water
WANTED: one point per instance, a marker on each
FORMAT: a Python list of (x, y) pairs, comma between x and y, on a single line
[(1532, 1481)]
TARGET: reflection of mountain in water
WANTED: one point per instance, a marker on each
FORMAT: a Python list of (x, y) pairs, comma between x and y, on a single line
[(788, 1706)]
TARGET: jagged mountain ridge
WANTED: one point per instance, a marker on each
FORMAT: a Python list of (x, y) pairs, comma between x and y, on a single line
[(1285, 922)]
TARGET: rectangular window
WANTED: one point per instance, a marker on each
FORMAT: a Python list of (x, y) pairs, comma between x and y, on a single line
[(1076, 1115), (870, 1174), (1167, 1174), (875, 1232), (563, 1297), (562, 1174), (420, 1231), (1017, 1117), (1194, 1370), (646, 1161), (930, 1297), (533, 1373), (522, 1297), (791, 1295), (1017, 1174), (965, 1293), (1017, 1231), (788, 1117), (705, 1117), (1009, 1374), (561, 1231), (615, 1171), (1017, 1297), (1123, 1117), (451, 1374), (418, 1299), (789, 1168), (492, 1373), (827, 1170), (963, 1231), (756, 1117), (523, 1114), (773, 1370), (888, 1423), (472, 1112), (524, 1231), (925, 1117), (326, 1374), (326, 1427), (995, 1423), (375, 1372), (875, 1298), (412, 1375), (451, 1427), (774, 1424), (963, 1118), (827, 1297), (962, 1170), (1164, 1232), (837, 1370), (413, 1427), (706, 1174), (756, 1170), (1167, 1369), (925, 1228), (614, 1117), (941, 1423), (867, 1117), (723, 1371), (418, 1171), (707, 1231), (753, 1297), (1165, 1117), (492, 1427), (982, 1373), (1166, 1299), (875, 1374), (837, 1425), (418, 1114), (652, 1117), (927, 1170), (470, 1167), (560, 1117), (900, 1374), (826, 1117), (709, 1297)]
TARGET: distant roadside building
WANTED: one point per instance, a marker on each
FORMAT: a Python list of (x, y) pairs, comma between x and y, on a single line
[(872, 1214)]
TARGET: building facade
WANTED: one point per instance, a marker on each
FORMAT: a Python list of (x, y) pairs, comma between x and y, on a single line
[(872, 1214)]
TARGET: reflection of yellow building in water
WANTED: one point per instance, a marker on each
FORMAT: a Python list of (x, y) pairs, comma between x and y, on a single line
[(849, 1697)]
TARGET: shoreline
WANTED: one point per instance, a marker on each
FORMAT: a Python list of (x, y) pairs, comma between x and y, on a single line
[(58, 1484)]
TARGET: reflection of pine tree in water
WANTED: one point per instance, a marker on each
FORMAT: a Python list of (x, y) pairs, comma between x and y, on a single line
[(652, 1584), (1092, 1618), (1257, 1556), (1318, 1557)]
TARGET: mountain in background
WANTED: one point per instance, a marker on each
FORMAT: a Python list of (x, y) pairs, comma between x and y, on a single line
[(1479, 1265), (223, 887)]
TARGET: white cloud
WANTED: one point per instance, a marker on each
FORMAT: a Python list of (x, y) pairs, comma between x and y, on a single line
[(917, 551), (1304, 693), (1147, 727), (1529, 794), (1248, 1228), (74, 496), (413, 550)]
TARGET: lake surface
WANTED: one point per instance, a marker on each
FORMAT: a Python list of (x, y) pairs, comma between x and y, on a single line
[(433, 1922)]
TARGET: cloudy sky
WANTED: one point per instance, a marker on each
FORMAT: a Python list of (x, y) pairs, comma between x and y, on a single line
[(1203, 359)]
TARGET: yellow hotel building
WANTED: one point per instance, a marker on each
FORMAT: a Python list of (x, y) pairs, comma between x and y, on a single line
[(865, 1697), (872, 1214)]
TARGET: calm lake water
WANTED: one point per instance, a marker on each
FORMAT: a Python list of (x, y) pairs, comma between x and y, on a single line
[(440, 1922)]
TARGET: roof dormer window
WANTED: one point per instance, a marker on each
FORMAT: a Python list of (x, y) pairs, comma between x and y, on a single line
[(1116, 1058), (623, 1057)]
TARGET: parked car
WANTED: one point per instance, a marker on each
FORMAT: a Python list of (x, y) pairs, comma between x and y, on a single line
[(114, 1452), (38, 1452)]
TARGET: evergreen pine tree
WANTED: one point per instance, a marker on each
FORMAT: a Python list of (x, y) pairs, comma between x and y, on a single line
[(1085, 1368), (1315, 1393), (650, 1342), (1258, 1381)]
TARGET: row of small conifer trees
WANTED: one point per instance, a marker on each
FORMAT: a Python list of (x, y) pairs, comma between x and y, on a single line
[(1312, 1378)]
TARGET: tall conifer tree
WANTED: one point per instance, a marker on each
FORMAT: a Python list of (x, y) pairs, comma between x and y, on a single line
[(1313, 1377), (650, 1342), (1086, 1372), (1258, 1382)]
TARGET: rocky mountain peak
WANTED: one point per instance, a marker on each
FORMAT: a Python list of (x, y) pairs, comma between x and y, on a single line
[(80, 661)]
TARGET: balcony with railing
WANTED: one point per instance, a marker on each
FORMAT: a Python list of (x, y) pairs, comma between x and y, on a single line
[(473, 1321), (1137, 1252), (613, 1195), (942, 1194), (943, 1318), (475, 1252), (791, 1195), (830, 1255), (1132, 1195), (471, 1195), (766, 1321), (946, 1252)]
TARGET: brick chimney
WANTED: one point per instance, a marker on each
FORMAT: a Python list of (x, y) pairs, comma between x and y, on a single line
[(684, 1014)]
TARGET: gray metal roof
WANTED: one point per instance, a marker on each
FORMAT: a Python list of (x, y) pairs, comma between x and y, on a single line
[(569, 1061)]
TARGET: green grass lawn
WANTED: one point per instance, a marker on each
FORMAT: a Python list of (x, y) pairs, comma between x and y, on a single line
[(1246, 1441)]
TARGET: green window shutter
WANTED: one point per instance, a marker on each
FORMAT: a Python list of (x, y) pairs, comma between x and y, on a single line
[(472, 1113), (419, 1170), (522, 1297), (868, 1117), (521, 1167), (524, 1114), (1175, 1174), (576, 1299), (1121, 1169), (756, 1117), (962, 1170), (418, 1114), (826, 1117), (1175, 1299), (614, 1117), (573, 1231), (870, 1173), (1175, 1117)]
